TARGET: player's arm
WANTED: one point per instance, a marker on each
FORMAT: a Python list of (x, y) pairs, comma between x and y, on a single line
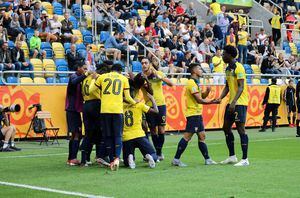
[(224, 92), (165, 79), (266, 98), (239, 91), (93, 85), (74, 79), (206, 92), (194, 90), (154, 108), (127, 96)]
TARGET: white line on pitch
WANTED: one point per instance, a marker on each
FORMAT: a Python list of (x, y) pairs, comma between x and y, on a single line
[(78, 194), (33, 156)]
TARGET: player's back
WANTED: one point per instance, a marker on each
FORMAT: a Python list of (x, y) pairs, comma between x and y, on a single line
[(133, 116), (112, 86), (157, 87), (87, 95), (193, 107)]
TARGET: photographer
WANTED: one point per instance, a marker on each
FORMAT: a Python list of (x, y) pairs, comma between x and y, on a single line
[(7, 133)]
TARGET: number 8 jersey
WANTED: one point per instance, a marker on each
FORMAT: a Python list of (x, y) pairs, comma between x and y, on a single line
[(133, 116), (112, 86)]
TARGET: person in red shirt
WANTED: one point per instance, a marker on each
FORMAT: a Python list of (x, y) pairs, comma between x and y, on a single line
[(151, 29), (179, 9)]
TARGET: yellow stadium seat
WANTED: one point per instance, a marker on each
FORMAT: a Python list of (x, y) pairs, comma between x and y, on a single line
[(256, 70), (25, 80), (174, 80), (89, 22), (37, 63), (94, 48), (205, 67), (256, 81), (79, 35), (50, 16), (60, 18), (24, 47), (50, 69), (142, 12), (87, 8), (48, 63), (58, 50), (48, 7), (39, 80)]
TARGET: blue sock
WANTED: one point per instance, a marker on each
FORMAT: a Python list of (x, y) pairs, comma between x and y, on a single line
[(230, 143), (101, 150), (75, 148), (118, 146), (70, 149), (89, 151), (154, 156), (244, 144), (203, 148), (182, 144), (109, 149), (160, 143), (155, 141), (84, 150)]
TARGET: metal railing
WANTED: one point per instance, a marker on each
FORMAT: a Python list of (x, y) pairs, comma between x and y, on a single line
[(284, 31), (113, 19), (275, 5)]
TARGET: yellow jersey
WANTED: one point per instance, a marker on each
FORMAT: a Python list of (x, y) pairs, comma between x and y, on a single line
[(216, 8), (229, 42), (157, 87), (243, 41), (275, 22), (133, 116), (274, 95), (218, 61), (94, 95), (112, 86), (192, 106), (232, 77)]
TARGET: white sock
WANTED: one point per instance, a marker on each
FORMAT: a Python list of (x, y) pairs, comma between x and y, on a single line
[(5, 145), (12, 143)]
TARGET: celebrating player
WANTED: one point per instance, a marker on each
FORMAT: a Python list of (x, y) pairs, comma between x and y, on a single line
[(236, 110), (133, 135), (156, 122), (113, 87), (195, 98)]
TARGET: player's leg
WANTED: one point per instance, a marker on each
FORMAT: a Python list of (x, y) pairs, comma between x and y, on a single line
[(203, 148), (151, 121), (12, 139), (161, 131), (117, 128), (240, 126), (229, 137), (86, 140), (6, 132), (182, 144), (298, 120), (294, 115), (74, 126), (128, 154), (266, 118), (147, 150), (288, 110), (106, 124)]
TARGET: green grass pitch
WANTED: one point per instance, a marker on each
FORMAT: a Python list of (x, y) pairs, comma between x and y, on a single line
[(274, 171)]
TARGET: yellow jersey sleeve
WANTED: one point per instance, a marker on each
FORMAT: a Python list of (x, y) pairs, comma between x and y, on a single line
[(193, 88), (126, 83), (99, 81), (240, 72), (145, 108)]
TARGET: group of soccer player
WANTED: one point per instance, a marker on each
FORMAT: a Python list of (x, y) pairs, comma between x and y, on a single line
[(117, 119)]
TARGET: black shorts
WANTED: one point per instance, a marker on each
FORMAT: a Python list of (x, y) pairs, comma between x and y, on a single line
[(194, 124), (298, 107), (291, 108), (1, 135), (74, 122), (159, 119), (239, 114), (112, 124), (92, 118), (141, 143)]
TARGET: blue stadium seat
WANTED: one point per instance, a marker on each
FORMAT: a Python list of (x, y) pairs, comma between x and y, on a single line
[(80, 46), (249, 81), (51, 80), (67, 47), (82, 52), (74, 21), (63, 80), (104, 35), (285, 44), (87, 37), (1, 81), (288, 50), (61, 63), (62, 68), (11, 44), (57, 8), (246, 66), (29, 33), (12, 79), (46, 46), (264, 81), (136, 66), (121, 63), (249, 71)]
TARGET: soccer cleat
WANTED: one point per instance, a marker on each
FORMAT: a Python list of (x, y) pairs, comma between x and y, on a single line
[(131, 162), (7, 149), (243, 162), (102, 162), (230, 160), (161, 157), (74, 162), (15, 148), (177, 162), (297, 135), (291, 125), (210, 162), (68, 162), (151, 161), (114, 166), (88, 162), (262, 130)]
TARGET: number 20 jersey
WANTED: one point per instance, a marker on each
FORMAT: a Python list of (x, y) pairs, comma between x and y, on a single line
[(112, 86), (133, 116)]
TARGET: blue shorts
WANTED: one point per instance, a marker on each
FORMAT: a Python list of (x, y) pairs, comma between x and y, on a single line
[(112, 124), (239, 114), (141, 143), (194, 124), (74, 122), (159, 119)]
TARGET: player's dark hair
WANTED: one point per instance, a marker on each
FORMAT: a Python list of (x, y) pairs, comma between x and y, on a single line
[(230, 50), (117, 67), (192, 66), (274, 80), (78, 65)]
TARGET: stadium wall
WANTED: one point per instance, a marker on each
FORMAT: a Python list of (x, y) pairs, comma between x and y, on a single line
[(52, 99)]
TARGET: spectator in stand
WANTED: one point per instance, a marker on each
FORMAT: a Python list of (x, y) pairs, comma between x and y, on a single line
[(90, 59), (139, 30), (35, 45), (66, 29), (100, 57), (168, 58), (214, 9), (187, 60), (207, 32), (290, 63), (219, 68), (113, 46), (218, 34), (156, 44), (162, 8), (173, 29), (127, 9), (184, 32), (262, 37), (151, 30), (223, 23), (235, 25), (268, 66), (55, 27), (180, 45), (26, 13), (180, 10), (164, 18), (102, 20), (18, 59), (192, 46), (167, 34), (231, 38), (175, 68), (173, 45), (276, 22), (74, 58), (15, 24), (150, 19), (37, 12), (254, 56), (44, 28), (173, 17), (155, 6), (207, 50), (130, 27), (241, 18), (191, 14), (242, 44), (172, 6), (5, 58), (3, 34)]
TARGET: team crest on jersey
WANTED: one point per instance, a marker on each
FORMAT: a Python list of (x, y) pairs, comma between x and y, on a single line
[(196, 129)]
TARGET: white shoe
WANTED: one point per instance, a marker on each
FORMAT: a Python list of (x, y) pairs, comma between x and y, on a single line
[(102, 162), (89, 162), (243, 162), (177, 162), (230, 160), (210, 162), (131, 162), (161, 157), (151, 161), (114, 166)]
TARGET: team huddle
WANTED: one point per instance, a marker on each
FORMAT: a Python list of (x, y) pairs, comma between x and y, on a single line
[(116, 120)]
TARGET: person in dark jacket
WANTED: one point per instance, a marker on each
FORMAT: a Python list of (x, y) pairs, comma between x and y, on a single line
[(18, 58), (66, 29), (74, 106), (5, 58), (298, 107), (289, 98), (73, 58)]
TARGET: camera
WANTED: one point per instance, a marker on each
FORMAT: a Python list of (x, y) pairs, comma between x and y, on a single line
[(38, 106), (12, 108)]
